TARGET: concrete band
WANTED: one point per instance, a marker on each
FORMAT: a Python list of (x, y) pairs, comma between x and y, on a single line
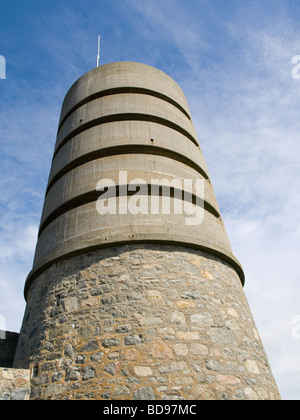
[(76, 127), (126, 150), (126, 133), (119, 91), (85, 177), (154, 192), (83, 229), (123, 75)]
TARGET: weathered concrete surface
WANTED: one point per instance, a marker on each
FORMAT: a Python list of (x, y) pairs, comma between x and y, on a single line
[(138, 105), (120, 134), (143, 322), (85, 177), (83, 228), (146, 131), (120, 75)]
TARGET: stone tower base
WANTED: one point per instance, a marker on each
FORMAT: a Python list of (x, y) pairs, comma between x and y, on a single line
[(142, 322)]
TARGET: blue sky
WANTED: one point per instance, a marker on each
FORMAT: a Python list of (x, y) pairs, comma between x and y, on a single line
[(233, 60)]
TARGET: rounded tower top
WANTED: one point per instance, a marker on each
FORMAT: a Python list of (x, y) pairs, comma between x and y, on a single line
[(114, 78)]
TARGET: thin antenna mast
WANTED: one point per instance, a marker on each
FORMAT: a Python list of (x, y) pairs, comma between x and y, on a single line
[(98, 56)]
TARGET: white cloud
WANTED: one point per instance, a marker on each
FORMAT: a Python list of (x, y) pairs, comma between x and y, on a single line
[(17, 245)]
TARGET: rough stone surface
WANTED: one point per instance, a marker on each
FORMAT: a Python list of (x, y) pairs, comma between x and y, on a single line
[(142, 322), (14, 384)]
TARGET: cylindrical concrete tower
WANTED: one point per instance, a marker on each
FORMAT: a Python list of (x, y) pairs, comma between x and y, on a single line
[(134, 291)]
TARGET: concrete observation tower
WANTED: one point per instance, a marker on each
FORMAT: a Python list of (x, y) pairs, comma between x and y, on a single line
[(125, 299)]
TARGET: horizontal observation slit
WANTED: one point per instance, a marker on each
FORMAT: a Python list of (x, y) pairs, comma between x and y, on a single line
[(123, 90), (126, 150), (93, 196), (125, 117)]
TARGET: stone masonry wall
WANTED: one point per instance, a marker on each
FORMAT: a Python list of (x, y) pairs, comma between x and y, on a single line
[(14, 384), (143, 322)]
